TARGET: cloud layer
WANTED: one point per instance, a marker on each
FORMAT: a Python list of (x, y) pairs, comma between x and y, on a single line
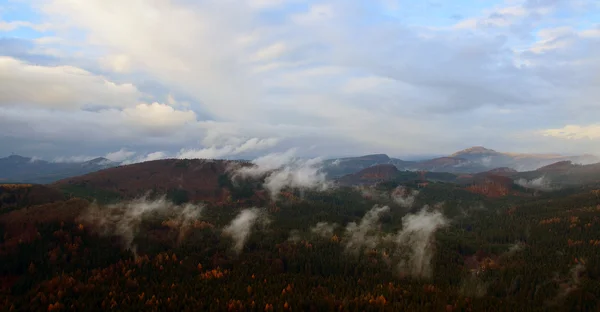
[(330, 77)]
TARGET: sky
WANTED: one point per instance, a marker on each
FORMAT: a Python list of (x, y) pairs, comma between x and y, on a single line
[(148, 79)]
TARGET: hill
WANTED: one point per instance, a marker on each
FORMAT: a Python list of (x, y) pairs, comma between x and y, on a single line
[(371, 175), (14, 196), (193, 180), (444, 250), (335, 168), (563, 174), (19, 169)]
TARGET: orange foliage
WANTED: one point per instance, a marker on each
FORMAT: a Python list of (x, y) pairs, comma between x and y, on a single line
[(214, 274), (571, 242), (550, 220)]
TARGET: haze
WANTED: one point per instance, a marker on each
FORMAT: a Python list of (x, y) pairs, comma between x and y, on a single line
[(141, 80)]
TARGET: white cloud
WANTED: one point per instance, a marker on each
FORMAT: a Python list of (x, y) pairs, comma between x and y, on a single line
[(72, 159), (328, 71), (124, 218), (282, 170), (418, 233), (500, 17), (118, 63), (13, 25), (574, 132), (242, 225), (157, 118), (251, 145), (59, 87), (120, 155)]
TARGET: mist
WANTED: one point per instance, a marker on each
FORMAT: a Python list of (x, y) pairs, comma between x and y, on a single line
[(416, 241), (324, 229), (473, 286), (541, 183), (366, 233), (281, 170), (403, 197), (241, 226), (569, 284), (123, 219)]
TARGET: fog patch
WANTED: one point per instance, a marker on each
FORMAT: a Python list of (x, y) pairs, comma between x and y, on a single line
[(416, 241), (123, 219), (366, 233), (324, 229), (569, 284), (404, 197), (473, 286), (541, 183), (281, 170), (242, 225)]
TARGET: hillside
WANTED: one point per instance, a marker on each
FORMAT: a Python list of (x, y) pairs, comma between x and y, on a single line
[(13, 196), (563, 174), (19, 169), (446, 250), (193, 180), (371, 175), (335, 168)]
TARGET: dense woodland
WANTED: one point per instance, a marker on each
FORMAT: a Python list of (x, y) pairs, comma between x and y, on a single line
[(527, 252)]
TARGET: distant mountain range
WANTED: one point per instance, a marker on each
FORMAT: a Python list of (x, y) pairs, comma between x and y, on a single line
[(19, 169), (495, 182), (472, 160)]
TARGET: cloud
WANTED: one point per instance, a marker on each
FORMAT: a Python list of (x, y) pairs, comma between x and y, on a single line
[(242, 225), (59, 87), (72, 159), (403, 197), (414, 244), (568, 284), (418, 235), (366, 233), (157, 118), (13, 25), (473, 286), (123, 219), (120, 155), (250, 145), (282, 170), (541, 183), (575, 132), (324, 229), (148, 157), (275, 69)]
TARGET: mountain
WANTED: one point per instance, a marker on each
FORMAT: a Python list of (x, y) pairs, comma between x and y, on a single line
[(19, 169), (338, 167), (471, 160), (476, 151), (560, 174), (180, 179), (370, 175)]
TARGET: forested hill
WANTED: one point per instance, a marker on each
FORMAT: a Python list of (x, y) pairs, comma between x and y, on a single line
[(386, 247)]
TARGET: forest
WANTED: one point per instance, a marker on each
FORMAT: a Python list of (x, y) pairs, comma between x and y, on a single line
[(390, 247)]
